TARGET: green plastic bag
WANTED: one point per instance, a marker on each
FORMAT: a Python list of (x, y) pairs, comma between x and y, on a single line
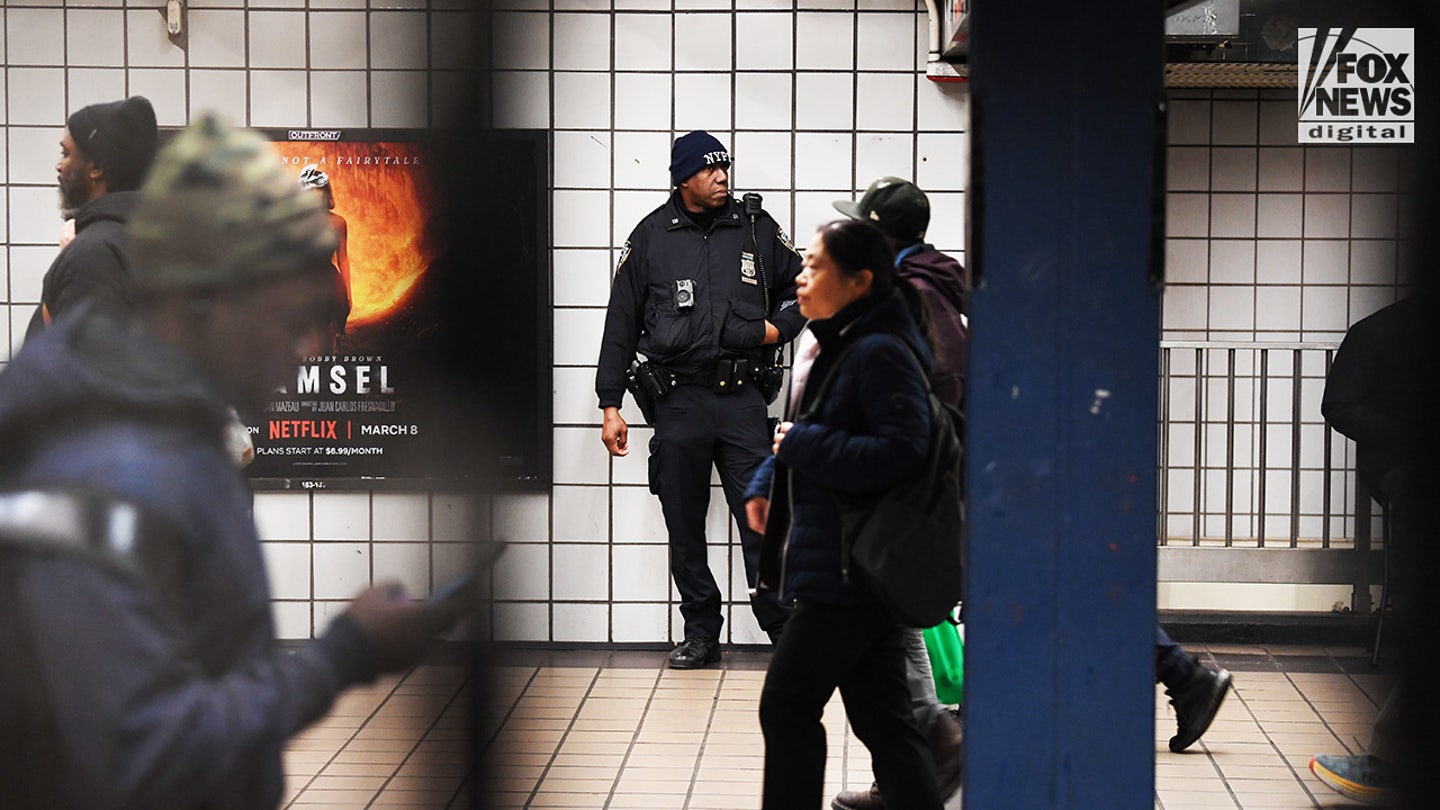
[(947, 662)]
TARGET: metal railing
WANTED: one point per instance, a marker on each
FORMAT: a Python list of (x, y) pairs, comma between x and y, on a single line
[(1253, 486)]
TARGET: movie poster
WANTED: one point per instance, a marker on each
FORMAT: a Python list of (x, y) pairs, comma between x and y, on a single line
[(354, 409)]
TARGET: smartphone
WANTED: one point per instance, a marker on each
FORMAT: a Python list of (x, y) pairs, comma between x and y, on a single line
[(457, 584)]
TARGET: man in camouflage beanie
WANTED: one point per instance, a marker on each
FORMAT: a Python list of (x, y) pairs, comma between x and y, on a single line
[(140, 668)]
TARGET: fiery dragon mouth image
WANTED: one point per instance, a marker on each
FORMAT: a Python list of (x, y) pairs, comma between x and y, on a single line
[(382, 199)]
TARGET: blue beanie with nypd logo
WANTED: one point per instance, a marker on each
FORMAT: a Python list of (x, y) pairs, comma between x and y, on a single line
[(693, 152)]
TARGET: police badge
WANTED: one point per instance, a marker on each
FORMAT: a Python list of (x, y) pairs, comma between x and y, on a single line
[(747, 267)]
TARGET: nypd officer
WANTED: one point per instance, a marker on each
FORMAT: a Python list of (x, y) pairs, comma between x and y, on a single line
[(705, 291)]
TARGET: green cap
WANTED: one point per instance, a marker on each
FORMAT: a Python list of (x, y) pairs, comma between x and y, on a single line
[(219, 210), (898, 206)]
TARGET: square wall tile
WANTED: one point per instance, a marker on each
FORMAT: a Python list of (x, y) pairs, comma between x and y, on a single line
[(1187, 168), (399, 99), (822, 161), (1327, 215), (1235, 122), (1232, 308), (643, 42), (1187, 261), (32, 36), (324, 613), (1278, 261), (337, 40), (27, 270), (95, 85), (1277, 123), (1375, 168), (703, 42), (94, 37), (460, 516), (1188, 122), (763, 159), (1233, 169), (341, 569), (641, 573), (448, 560), (1280, 216), (582, 41), (277, 39), (1277, 308), (1373, 261), (523, 572), (217, 38), (587, 623), (1374, 216), (764, 101), (942, 106), (522, 517), (944, 162), (642, 159), (522, 622), (34, 215), (1327, 168), (630, 208), (1187, 214), (582, 514), (1232, 215), (825, 101), (1183, 307), (635, 467), (409, 563), (702, 101), (342, 515), (278, 98), (886, 41), (947, 221), (165, 87), (640, 622), (1327, 261), (764, 40), (1232, 261), (1324, 309), (575, 402), (338, 98), (582, 277), (818, 38), (884, 102), (452, 39), (637, 517), (642, 100), (398, 41), (577, 335), (401, 516), (220, 91), (580, 457), (522, 100), (1281, 169), (582, 100), (879, 155), (149, 45), (581, 571), (576, 225), (292, 620), (43, 101), (287, 566), (520, 41), (282, 515)]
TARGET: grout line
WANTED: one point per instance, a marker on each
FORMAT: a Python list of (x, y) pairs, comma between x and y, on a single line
[(469, 775), (634, 736), (355, 733), (540, 780)]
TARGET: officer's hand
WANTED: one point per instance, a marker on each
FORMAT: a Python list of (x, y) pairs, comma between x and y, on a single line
[(615, 433), (772, 335), (757, 511), (398, 628), (780, 435)]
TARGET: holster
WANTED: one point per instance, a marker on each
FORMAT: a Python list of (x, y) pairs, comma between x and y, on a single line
[(647, 383)]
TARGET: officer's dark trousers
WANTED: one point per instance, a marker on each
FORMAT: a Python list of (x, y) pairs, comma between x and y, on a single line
[(695, 428)]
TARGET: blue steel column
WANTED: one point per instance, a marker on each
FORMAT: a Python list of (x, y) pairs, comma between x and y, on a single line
[(1060, 604)]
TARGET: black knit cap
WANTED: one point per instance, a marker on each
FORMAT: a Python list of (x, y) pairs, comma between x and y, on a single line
[(119, 137), (897, 206), (693, 152)]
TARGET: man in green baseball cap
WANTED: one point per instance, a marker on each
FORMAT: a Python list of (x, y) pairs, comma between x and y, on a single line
[(140, 660)]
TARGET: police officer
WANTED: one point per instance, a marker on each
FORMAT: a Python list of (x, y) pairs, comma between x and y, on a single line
[(705, 291)]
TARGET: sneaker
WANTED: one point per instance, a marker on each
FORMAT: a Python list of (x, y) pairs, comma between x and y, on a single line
[(1196, 704), (1362, 778), (695, 653)]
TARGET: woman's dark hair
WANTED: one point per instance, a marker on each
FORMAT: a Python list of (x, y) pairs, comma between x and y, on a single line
[(855, 245)]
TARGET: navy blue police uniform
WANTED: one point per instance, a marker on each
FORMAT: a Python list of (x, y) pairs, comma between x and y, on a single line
[(690, 296)]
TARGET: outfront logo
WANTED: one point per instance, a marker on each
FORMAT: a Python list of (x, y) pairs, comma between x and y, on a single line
[(1357, 85)]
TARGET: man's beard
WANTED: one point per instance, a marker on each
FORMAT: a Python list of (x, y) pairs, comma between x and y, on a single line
[(74, 192)]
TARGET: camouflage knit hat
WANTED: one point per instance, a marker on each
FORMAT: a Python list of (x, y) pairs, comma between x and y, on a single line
[(219, 210)]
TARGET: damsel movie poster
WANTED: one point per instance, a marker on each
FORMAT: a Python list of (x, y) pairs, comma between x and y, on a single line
[(358, 408)]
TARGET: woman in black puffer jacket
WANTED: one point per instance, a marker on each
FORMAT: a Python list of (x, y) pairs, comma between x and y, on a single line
[(870, 432)]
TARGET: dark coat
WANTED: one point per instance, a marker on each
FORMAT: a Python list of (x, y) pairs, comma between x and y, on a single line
[(95, 266), (944, 290), (870, 432), (726, 311), (154, 707)]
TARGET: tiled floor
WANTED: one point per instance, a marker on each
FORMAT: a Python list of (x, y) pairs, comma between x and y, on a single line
[(617, 731)]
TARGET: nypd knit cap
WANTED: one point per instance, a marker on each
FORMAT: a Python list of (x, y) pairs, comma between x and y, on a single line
[(897, 206), (693, 152), (119, 137), (220, 210)]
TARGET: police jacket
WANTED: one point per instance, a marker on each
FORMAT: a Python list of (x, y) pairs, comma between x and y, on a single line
[(871, 431), (684, 295)]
